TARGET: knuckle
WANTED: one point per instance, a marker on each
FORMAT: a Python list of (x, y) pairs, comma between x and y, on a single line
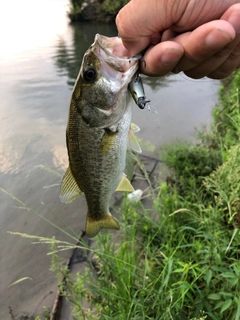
[(221, 54), (194, 74), (192, 60), (235, 54), (220, 74)]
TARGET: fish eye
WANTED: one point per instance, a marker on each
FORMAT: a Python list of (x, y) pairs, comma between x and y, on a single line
[(89, 74)]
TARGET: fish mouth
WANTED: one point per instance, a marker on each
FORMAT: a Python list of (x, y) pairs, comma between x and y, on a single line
[(114, 47), (112, 51)]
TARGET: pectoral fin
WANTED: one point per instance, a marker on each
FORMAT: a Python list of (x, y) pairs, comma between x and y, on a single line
[(134, 127), (94, 226), (125, 184), (132, 140), (69, 189)]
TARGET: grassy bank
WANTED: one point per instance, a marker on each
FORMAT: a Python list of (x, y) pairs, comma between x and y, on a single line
[(179, 260)]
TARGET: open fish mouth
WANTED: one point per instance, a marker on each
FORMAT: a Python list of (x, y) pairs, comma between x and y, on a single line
[(112, 51), (114, 47)]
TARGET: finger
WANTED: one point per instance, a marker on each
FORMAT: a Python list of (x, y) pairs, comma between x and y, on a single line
[(160, 59), (139, 21), (202, 43), (230, 64), (221, 64), (135, 35), (168, 35), (232, 15), (225, 61)]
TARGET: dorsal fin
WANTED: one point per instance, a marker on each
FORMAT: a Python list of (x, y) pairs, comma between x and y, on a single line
[(134, 127)]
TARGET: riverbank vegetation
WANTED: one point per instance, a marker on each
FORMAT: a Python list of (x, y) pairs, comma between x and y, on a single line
[(94, 10), (179, 259)]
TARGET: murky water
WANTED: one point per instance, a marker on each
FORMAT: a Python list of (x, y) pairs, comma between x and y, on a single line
[(39, 60)]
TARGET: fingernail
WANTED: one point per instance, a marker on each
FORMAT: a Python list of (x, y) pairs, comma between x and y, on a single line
[(214, 41), (171, 56), (235, 21)]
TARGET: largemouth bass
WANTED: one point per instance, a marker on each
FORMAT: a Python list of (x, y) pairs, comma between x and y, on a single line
[(99, 131)]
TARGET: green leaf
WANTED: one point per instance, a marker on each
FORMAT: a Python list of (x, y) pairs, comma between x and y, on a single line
[(219, 305), (208, 276), (228, 275), (226, 305), (226, 294), (179, 270), (211, 315), (214, 296), (237, 300)]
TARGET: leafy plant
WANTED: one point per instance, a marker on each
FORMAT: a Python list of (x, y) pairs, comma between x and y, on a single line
[(109, 7)]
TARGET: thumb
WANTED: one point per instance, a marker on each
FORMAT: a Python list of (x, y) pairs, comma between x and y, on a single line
[(141, 22)]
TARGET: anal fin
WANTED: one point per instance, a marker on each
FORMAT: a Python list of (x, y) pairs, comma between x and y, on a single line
[(69, 188), (125, 184)]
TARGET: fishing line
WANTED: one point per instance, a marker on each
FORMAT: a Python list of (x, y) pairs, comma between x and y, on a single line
[(151, 112)]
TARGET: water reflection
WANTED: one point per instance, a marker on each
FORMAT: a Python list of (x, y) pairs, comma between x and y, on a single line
[(8, 159), (157, 82), (60, 159), (69, 56)]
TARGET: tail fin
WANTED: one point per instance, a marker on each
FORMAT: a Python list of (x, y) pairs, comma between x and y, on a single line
[(94, 226)]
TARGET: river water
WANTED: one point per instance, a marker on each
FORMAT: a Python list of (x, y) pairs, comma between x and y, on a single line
[(40, 58)]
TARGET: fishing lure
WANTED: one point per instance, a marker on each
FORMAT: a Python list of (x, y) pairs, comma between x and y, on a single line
[(137, 92)]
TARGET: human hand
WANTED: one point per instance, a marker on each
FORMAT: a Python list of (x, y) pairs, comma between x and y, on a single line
[(200, 38)]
